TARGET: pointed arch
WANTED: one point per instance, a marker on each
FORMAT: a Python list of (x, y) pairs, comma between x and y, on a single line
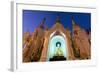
[(52, 47)]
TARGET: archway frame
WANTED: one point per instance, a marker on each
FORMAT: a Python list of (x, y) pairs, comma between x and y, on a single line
[(59, 27), (64, 37)]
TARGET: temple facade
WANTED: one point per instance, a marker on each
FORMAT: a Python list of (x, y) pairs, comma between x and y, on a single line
[(56, 43)]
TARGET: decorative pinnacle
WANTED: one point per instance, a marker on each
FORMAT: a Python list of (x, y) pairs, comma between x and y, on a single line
[(58, 19)]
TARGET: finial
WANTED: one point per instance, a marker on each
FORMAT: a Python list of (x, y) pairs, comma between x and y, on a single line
[(73, 22), (58, 19), (44, 19), (42, 23)]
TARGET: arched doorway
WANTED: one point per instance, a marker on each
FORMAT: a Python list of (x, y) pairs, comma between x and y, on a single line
[(57, 48)]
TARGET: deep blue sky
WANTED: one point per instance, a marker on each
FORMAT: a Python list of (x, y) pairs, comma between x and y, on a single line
[(33, 18)]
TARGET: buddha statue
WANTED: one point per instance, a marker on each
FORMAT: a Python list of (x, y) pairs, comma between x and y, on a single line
[(58, 52)]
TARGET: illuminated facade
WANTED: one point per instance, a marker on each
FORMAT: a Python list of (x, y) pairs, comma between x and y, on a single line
[(56, 43)]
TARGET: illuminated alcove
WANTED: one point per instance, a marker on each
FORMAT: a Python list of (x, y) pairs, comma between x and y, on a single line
[(57, 46)]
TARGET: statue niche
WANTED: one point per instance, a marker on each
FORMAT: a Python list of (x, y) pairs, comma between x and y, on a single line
[(57, 47)]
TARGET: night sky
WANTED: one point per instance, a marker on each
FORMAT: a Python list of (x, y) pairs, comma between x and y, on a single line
[(33, 18)]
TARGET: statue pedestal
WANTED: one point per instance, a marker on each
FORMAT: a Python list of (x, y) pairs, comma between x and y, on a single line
[(57, 58)]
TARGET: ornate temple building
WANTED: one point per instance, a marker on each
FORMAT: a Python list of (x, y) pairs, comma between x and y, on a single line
[(56, 43)]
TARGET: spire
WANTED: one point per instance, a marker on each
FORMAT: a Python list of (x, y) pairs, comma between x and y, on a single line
[(73, 25), (58, 23), (58, 19), (73, 22), (42, 23)]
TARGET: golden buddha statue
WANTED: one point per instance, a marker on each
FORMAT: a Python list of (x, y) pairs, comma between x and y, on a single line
[(58, 52)]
